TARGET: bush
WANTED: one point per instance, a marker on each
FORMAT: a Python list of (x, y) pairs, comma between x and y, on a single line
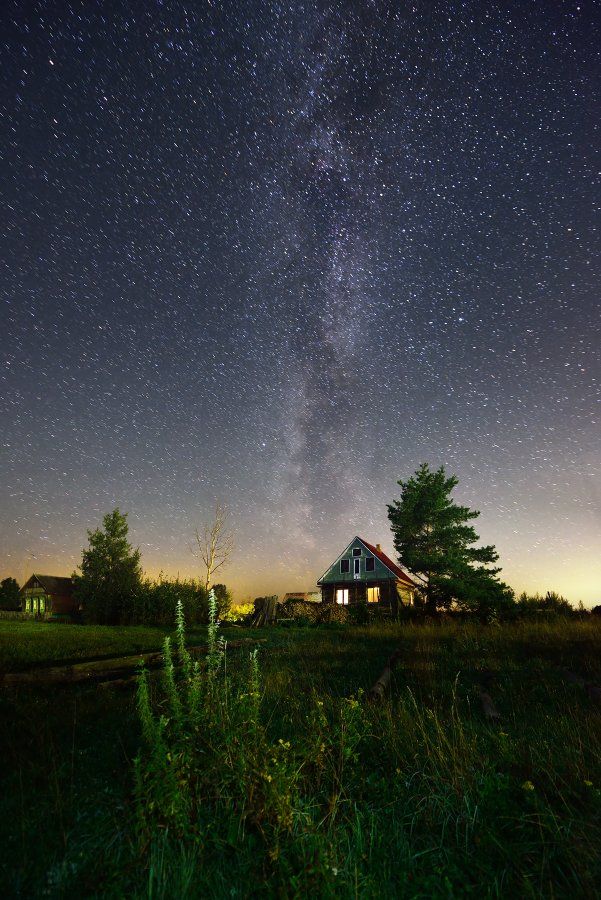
[(359, 614), (155, 602), (549, 606), (10, 597), (223, 598), (238, 613)]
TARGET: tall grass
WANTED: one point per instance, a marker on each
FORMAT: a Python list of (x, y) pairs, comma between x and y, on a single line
[(244, 787), (269, 774)]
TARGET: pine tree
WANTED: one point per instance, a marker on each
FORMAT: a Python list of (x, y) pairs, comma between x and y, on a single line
[(433, 538), (110, 572)]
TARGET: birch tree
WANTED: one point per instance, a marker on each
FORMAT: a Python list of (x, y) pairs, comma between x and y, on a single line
[(214, 542)]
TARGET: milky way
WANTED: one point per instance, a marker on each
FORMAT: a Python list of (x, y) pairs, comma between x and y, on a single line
[(281, 253)]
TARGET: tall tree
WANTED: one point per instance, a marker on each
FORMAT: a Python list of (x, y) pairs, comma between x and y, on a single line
[(110, 572), (214, 543), (433, 538)]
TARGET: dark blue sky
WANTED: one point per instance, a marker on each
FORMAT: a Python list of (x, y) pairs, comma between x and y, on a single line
[(279, 254)]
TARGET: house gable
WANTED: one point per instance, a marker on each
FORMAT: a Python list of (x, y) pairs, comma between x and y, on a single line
[(45, 594), (363, 552), (51, 584)]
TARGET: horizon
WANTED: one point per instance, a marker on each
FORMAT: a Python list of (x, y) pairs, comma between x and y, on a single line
[(245, 589)]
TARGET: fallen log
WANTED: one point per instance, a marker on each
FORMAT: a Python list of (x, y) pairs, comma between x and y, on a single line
[(118, 683), (379, 688), (491, 713), (105, 669)]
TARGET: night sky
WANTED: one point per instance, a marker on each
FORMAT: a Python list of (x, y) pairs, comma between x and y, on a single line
[(280, 253)]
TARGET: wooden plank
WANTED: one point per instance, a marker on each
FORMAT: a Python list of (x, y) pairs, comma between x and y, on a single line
[(379, 688), (489, 709), (106, 668)]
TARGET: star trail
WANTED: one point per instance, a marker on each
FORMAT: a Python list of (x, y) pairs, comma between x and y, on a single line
[(280, 253)]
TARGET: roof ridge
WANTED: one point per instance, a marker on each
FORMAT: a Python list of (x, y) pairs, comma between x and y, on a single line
[(388, 562)]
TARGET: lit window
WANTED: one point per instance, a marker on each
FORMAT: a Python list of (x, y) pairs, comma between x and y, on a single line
[(342, 596), (370, 564), (373, 594), (356, 551), (345, 566)]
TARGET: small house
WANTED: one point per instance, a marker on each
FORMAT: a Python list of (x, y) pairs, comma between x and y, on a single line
[(48, 595), (363, 573)]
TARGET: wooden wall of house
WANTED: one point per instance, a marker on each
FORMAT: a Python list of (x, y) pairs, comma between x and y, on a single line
[(358, 592), (406, 594), (62, 604)]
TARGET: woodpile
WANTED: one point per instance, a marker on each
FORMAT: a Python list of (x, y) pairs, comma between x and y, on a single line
[(265, 611)]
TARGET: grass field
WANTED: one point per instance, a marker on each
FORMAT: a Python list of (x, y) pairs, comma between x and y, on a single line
[(416, 797), (25, 644)]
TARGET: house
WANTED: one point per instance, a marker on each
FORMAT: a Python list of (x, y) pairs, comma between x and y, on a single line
[(306, 596), (364, 574), (47, 595)]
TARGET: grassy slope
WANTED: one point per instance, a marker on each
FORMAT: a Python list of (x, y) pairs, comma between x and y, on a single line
[(67, 754)]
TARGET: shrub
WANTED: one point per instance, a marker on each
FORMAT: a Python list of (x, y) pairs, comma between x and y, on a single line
[(238, 613), (549, 606), (358, 614), (223, 598), (9, 594), (155, 602)]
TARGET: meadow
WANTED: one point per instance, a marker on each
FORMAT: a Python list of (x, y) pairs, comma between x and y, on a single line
[(273, 774)]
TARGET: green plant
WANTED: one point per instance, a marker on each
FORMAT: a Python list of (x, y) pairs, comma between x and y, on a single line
[(210, 762), (433, 538), (418, 796), (358, 614)]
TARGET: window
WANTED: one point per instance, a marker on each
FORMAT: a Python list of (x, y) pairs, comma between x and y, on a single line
[(342, 596), (370, 564), (356, 565), (356, 551), (373, 594), (345, 566)]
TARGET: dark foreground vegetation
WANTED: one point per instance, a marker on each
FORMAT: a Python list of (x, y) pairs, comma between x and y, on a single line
[(272, 773)]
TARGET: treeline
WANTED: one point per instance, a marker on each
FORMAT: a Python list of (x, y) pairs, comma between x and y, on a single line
[(111, 589), (152, 602)]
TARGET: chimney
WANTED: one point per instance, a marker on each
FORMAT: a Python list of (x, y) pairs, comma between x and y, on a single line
[(378, 548)]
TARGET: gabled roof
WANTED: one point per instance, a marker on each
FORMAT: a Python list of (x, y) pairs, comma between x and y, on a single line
[(53, 584), (400, 573), (385, 560)]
